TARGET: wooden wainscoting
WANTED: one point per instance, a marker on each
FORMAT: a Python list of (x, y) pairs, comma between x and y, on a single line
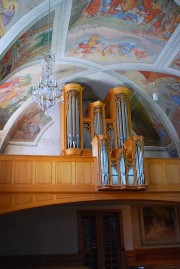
[(57, 261), (162, 174), (31, 181), (153, 256)]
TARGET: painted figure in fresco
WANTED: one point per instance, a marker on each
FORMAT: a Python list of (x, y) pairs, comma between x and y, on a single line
[(21, 51), (123, 49), (27, 131), (135, 15), (6, 65), (175, 98), (128, 46), (169, 26), (151, 9), (7, 14), (164, 26), (174, 93), (87, 45), (143, 14), (92, 9), (113, 49), (8, 91), (114, 4), (11, 60), (159, 128), (102, 7), (105, 6), (33, 127), (128, 4), (140, 54), (176, 62)]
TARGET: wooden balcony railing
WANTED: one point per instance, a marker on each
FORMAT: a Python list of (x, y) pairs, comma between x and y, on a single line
[(31, 181)]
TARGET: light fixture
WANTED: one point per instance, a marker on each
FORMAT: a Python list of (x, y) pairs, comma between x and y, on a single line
[(155, 96), (47, 95)]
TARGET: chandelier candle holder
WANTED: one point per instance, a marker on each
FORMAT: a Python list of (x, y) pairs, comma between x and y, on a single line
[(47, 94)]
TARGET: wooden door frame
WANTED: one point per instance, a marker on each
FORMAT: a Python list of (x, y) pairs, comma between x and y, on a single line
[(95, 212)]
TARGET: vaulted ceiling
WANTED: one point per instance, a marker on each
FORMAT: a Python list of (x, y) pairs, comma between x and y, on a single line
[(99, 44)]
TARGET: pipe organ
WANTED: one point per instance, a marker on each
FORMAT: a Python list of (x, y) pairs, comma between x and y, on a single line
[(73, 119), (105, 133)]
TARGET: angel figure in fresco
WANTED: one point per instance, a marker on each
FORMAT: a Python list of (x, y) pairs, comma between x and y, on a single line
[(6, 15), (86, 46)]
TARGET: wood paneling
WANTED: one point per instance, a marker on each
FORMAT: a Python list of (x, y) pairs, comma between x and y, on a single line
[(153, 256), (22, 172), (163, 173), (84, 173), (43, 172), (6, 171), (156, 173), (172, 173), (23, 199), (68, 261), (64, 172), (31, 181), (5, 202)]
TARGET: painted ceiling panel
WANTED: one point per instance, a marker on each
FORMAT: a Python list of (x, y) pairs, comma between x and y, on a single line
[(28, 47), (166, 86), (12, 11), (108, 32), (29, 125), (176, 62), (152, 129), (17, 89), (13, 93)]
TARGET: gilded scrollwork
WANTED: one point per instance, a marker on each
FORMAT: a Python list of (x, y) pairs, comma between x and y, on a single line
[(70, 95)]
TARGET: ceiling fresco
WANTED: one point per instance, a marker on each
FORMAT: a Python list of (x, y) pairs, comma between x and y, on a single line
[(28, 47), (17, 89), (152, 128), (13, 93), (166, 86), (12, 11), (176, 62), (108, 32), (99, 44), (29, 125)]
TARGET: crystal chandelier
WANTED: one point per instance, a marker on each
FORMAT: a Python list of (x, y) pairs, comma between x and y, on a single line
[(47, 94)]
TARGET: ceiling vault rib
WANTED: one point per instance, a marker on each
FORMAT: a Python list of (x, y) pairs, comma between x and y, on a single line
[(60, 29), (170, 50)]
